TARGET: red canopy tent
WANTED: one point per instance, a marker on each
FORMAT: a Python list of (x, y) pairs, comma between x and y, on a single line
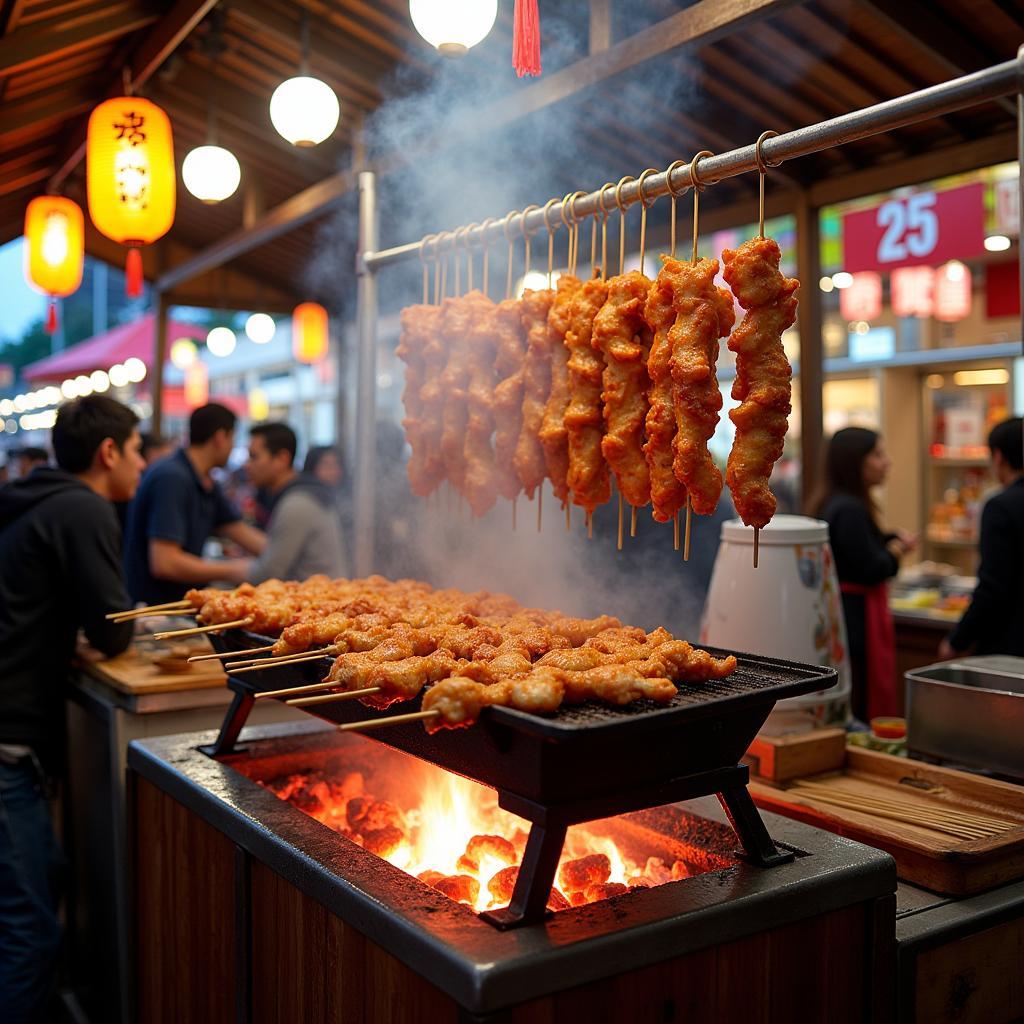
[(101, 352)]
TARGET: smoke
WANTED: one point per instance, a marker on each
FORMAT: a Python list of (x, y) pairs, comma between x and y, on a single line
[(461, 165)]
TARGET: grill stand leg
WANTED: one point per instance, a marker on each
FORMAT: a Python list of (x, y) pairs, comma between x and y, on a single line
[(758, 846), (234, 720), (535, 878)]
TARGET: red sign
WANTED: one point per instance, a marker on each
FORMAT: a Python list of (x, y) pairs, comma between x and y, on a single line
[(926, 227), (952, 292), (862, 300), (1002, 289), (913, 290)]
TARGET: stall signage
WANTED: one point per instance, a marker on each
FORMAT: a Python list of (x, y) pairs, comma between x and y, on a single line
[(913, 291), (862, 300), (926, 227), (952, 292), (1006, 207)]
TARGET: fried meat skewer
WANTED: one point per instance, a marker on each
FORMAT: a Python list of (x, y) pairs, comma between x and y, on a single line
[(622, 334), (457, 322), (432, 398), (668, 494), (419, 326), (588, 473), (553, 433), (704, 313), (763, 374), (508, 394), (536, 383), (481, 479)]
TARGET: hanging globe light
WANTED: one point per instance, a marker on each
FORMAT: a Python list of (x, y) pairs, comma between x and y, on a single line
[(183, 353), (211, 173), (453, 26), (304, 110), (221, 341), (260, 328)]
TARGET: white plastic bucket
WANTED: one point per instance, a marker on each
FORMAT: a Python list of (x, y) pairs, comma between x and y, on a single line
[(788, 607)]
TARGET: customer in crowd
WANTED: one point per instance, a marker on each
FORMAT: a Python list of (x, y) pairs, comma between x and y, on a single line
[(178, 507), (994, 622), (155, 447), (304, 535), (324, 463), (866, 558), (29, 458), (60, 570)]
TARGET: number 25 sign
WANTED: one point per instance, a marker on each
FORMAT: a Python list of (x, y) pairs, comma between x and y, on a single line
[(925, 227)]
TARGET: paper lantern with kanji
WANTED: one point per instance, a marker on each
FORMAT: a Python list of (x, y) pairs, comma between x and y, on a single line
[(54, 249), (130, 176), (310, 332)]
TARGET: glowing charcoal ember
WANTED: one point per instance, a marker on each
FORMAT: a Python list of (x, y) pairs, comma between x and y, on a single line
[(461, 888), (604, 891), (479, 848), (577, 875), (385, 842)]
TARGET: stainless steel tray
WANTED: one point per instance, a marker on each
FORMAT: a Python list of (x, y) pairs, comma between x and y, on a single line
[(969, 711)]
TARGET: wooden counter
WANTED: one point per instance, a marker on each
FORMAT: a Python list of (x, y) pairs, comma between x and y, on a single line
[(135, 674)]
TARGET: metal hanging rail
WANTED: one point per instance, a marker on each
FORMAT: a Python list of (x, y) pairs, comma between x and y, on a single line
[(935, 101), (957, 94)]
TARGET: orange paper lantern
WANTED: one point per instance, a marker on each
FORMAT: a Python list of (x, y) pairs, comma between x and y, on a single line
[(54, 249), (197, 384), (130, 176), (310, 332)]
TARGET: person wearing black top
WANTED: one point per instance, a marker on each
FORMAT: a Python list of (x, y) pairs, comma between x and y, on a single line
[(60, 570), (994, 622), (866, 557)]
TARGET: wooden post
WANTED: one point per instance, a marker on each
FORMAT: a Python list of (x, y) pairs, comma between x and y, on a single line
[(159, 358), (808, 245)]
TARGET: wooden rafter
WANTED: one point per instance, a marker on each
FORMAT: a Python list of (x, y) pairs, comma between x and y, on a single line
[(702, 23), (158, 44)]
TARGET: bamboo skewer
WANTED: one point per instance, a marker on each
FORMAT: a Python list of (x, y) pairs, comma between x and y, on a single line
[(131, 613), (619, 539), (291, 659), (686, 534), (675, 532), (757, 544), (899, 810), (984, 820), (378, 723), (632, 520), (330, 698), (324, 684), (199, 630), (224, 655)]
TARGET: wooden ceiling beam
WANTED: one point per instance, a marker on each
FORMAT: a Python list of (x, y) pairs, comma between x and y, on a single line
[(56, 38), (23, 180), (158, 44), (924, 27), (700, 24), (43, 114)]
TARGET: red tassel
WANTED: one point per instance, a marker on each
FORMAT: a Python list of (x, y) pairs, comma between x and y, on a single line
[(51, 317), (133, 274), (526, 38)]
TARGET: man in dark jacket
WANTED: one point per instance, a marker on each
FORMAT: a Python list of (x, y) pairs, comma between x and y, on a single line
[(60, 570), (994, 622)]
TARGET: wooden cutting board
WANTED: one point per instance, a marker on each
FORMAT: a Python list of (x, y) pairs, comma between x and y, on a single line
[(925, 856), (135, 672)]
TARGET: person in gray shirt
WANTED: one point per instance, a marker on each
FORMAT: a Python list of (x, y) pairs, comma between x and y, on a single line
[(304, 532)]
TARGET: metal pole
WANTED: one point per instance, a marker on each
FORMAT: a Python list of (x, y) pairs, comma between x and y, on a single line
[(812, 428), (366, 393), (956, 94)]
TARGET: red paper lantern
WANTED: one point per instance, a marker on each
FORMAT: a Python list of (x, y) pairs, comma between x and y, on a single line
[(54, 249), (913, 291), (310, 332), (130, 176)]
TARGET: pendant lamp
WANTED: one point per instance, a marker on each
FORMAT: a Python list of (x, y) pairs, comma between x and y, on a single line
[(453, 26), (54, 249), (303, 109), (130, 176)]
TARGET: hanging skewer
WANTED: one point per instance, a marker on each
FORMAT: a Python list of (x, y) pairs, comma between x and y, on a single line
[(132, 613), (331, 698)]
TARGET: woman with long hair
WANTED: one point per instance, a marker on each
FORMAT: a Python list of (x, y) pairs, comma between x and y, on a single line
[(866, 558)]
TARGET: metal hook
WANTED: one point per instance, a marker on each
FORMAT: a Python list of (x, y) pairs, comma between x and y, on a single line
[(762, 170), (511, 251), (698, 187), (622, 220), (762, 164), (574, 230), (644, 204), (424, 242), (551, 238), (672, 167), (604, 222), (485, 245), (527, 235)]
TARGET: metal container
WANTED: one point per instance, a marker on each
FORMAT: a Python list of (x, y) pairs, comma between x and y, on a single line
[(969, 711)]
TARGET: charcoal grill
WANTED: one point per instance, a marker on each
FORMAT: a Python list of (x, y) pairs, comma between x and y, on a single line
[(583, 762)]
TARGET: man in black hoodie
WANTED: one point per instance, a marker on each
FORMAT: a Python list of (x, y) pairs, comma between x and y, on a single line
[(60, 570), (304, 532)]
